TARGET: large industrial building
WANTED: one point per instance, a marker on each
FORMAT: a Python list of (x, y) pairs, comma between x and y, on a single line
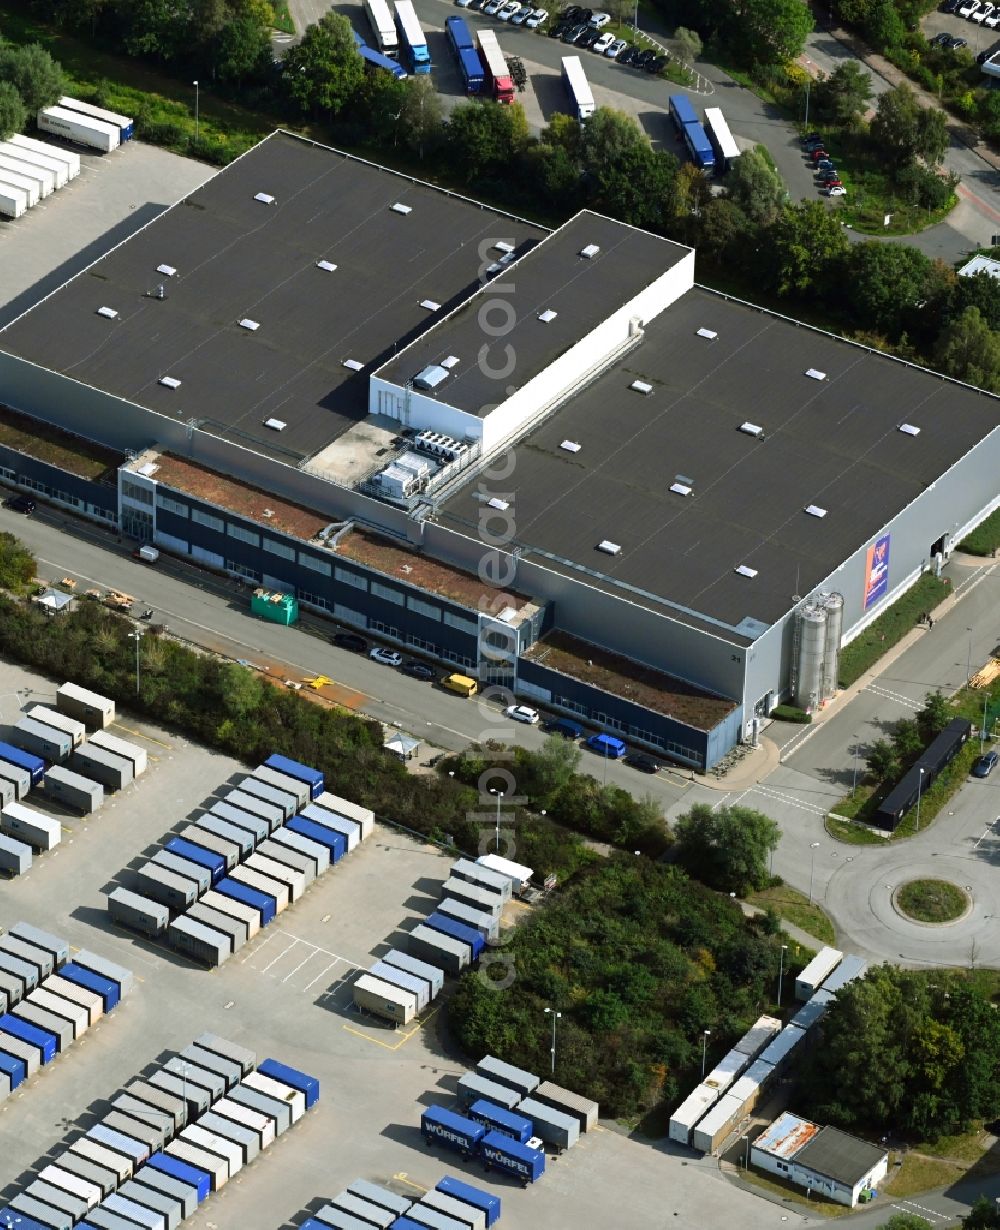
[(545, 457)]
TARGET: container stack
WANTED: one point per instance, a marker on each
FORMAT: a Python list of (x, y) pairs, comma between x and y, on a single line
[(452, 1203)]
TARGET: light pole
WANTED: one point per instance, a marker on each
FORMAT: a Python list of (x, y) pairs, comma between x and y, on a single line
[(968, 660), (808, 84), (920, 783), (197, 100), (137, 637), (704, 1049), (781, 970), (555, 1017), (982, 728), (812, 863), (499, 794), (854, 787)]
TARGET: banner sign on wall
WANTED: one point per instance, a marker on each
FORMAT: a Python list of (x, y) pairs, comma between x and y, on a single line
[(877, 571)]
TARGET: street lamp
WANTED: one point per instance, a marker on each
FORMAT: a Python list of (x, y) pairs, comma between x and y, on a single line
[(812, 863), (137, 637), (704, 1050), (920, 783), (781, 970), (197, 101), (982, 728), (968, 660), (499, 794), (854, 786), (555, 1017)]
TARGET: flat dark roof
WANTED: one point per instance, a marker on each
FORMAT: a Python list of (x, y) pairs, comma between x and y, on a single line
[(838, 1156), (551, 277), (834, 443), (237, 258)]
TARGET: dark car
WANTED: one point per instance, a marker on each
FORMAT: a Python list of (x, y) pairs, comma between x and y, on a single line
[(563, 726), (419, 670), (350, 640), (828, 177), (572, 14), (644, 58), (559, 29), (655, 64), (811, 138), (939, 40), (588, 38), (825, 164), (574, 32), (950, 6), (985, 765), (642, 762), (21, 504), (626, 56), (955, 43)]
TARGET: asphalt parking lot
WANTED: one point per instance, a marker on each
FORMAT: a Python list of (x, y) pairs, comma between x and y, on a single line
[(286, 996)]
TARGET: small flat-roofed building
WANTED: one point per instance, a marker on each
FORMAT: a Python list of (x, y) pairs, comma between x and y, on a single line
[(824, 1160)]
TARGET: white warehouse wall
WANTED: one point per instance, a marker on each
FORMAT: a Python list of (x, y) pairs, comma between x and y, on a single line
[(424, 413)]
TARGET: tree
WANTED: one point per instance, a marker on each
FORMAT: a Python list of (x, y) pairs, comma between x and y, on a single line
[(906, 740), (843, 96), (905, 1221), (756, 187), (768, 31), (881, 761), (484, 141), (984, 1216), (805, 244), (969, 350), (932, 135), (422, 113), (13, 116), (688, 44), (35, 75), (723, 231), (242, 49), (324, 70), (934, 716), (726, 848), (981, 291), (17, 564), (629, 179), (154, 28), (888, 284), (905, 131)]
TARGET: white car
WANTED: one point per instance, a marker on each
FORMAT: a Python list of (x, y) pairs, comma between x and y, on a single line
[(506, 11), (836, 191), (463, 4), (599, 20), (994, 18), (982, 12), (522, 713), (603, 43), (968, 8), (536, 18), (616, 48), (521, 16), (491, 6), (388, 657)]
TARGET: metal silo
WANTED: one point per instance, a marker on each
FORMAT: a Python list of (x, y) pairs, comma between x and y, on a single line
[(834, 606), (812, 647)]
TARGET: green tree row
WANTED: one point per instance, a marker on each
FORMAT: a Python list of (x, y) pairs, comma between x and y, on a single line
[(888, 759), (29, 79)]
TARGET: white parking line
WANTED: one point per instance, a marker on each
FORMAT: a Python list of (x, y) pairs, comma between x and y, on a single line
[(299, 966), (987, 832), (274, 960), (325, 969)]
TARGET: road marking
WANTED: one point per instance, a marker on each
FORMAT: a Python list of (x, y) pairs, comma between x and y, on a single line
[(987, 832), (909, 1205), (779, 796), (324, 970), (298, 967), (897, 697), (140, 735), (279, 956), (722, 800), (358, 1033), (793, 745), (403, 1177)]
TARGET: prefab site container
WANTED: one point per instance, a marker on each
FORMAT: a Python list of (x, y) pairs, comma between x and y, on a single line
[(121, 747), (128, 1146), (73, 727), (28, 762), (104, 1180), (850, 968), (384, 999), (228, 1069), (109, 989), (8, 792), (340, 824), (476, 873), (219, 903), (185, 868), (299, 790), (457, 931), (246, 1141), (286, 803), (334, 841), (213, 863), (55, 946), (174, 1168), (158, 1099), (263, 903), (158, 1090), (213, 1084), (431, 974), (718, 1124), (169, 888), (473, 896), (358, 1208), (487, 926), (758, 1036), (726, 1071), (255, 825), (244, 1058), (15, 856), (457, 1210), (56, 1027), (816, 972), (138, 913), (264, 884), (379, 1196), (240, 1116), (449, 954), (496, 1119), (80, 793), (416, 987), (278, 1112), (25, 971), (89, 1001), (555, 1127), (522, 1082), (112, 771), (812, 1010), (77, 702), (138, 1109), (474, 1196), (318, 854), (134, 1195), (335, 1219), (41, 740), (694, 1108), (294, 860), (363, 816), (44, 1215), (753, 1084), (313, 778), (77, 1016), (59, 1198), (472, 1087), (517, 873), (209, 947), (522, 1161), (782, 1048), (276, 1087), (94, 1151), (209, 1163), (256, 806), (245, 838), (134, 1129), (225, 924), (292, 1078), (12, 776), (40, 958), (294, 881), (25, 1053), (229, 851), (110, 971), (194, 1097)]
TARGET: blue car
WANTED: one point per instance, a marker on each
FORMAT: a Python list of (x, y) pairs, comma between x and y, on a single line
[(985, 765), (564, 727), (607, 745)]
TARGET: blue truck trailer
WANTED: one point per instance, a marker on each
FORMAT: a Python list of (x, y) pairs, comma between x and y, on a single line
[(451, 1130), (469, 63), (501, 1153), (214, 863), (335, 842), (498, 1119), (457, 931), (35, 765), (313, 778), (107, 988), (262, 902), (292, 1077), (44, 1042)]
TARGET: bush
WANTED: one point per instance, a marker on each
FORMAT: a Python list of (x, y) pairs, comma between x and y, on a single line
[(985, 538), (890, 627), (789, 713)]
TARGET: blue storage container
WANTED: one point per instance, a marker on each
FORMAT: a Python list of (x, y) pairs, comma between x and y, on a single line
[(107, 988), (24, 760), (13, 1068), (457, 931), (45, 1042), (451, 1130), (215, 863), (513, 1158), (335, 842), (499, 1119), (302, 772), (184, 1171), (308, 1085), (263, 903), (475, 1196), (14, 1217), (406, 1223)]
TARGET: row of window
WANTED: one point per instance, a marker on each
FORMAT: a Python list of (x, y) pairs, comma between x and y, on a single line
[(60, 497), (680, 751), (135, 493)]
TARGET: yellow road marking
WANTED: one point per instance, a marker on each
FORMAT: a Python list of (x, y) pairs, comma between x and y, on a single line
[(403, 1177), (139, 735), (385, 1045)]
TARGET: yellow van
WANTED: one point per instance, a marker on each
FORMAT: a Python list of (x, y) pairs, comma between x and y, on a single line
[(461, 684)]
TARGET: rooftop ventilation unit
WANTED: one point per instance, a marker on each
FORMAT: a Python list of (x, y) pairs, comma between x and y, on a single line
[(681, 488), (814, 510), (247, 323), (744, 571), (710, 334), (609, 548), (547, 315), (399, 208), (431, 376), (355, 365), (751, 429), (107, 313), (641, 386), (275, 424), (495, 502), (590, 251), (502, 245), (450, 362), (814, 374), (168, 271), (430, 305), (264, 198), (909, 430), (169, 382), (267, 512), (502, 263), (570, 446), (326, 266)]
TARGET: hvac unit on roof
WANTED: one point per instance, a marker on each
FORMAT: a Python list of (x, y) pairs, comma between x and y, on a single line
[(399, 208), (502, 245), (275, 424), (814, 510), (168, 271), (608, 547), (744, 571), (169, 382), (909, 430), (502, 263), (641, 386), (107, 313), (267, 512), (751, 429), (496, 502), (570, 446), (450, 362), (710, 334), (547, 315), (326, 266), (264, 198), (679, 488), (430, 305), (814, 374), (251, 325), (590, 251), (355, 365), (430, 377)]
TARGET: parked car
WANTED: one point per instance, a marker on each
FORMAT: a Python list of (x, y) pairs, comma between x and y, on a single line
[(558, 30), (950, 6), (574, 33), (825, 164), (642, 762), (658, 65), (536, 18), (829, 177), (507, 10), (982, 13), (941, 40), (956, 43), (616, 49), (523, 13), (563, 726), (993, 20), (607, 745), (463, 4), (644, 58), (388, 657), (810, 137), (522, 713), (350, 640), (815, 155), (602, 43), (571, 14), (835, 190), (492, 7), (985, 764), (968, 8), (627, 54), (599, 20), (419, 670), (21, 504), (588, 38)]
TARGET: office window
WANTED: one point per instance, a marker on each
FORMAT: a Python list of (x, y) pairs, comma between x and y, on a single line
[(317, 565), (207, 519), (279, 548), (171, 505), (347, 615), (314, 600), (383, 629), (350, 578), (242, 534), (469, 626), (238, 570), (387, 592), (419, 607), (132, 491)]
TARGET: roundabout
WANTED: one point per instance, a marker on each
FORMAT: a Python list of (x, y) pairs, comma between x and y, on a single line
[(932, 902)]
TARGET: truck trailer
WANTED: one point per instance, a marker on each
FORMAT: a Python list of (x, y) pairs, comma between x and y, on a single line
[(13, 202), (60, 721), (15, 856), (25, 824), (431, 974), (81, 129), (473, 1196), (112, 771), (89, 707), (384, 999), (138, 913), (26, 762), (441, 1126), (313, 778), (121, 747), (448, 954), (501, 1153), (73, 790), (41, 740)]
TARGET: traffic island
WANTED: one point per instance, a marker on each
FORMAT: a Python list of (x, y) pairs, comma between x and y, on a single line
[(931, 902)]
